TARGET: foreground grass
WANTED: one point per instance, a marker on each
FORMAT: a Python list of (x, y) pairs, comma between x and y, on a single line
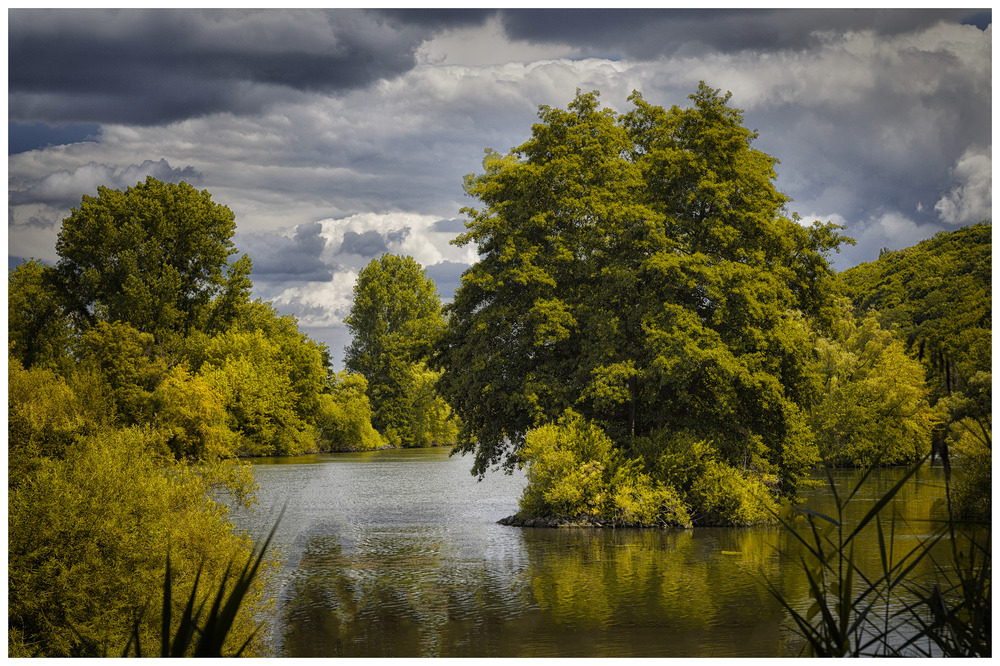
[(890, 614)]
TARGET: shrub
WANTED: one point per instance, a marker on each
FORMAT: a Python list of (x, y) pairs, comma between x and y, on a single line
[(723, 495), (636, 499), (87, 539), (715, 492), (44, 417), (574, 470), (566, 465)]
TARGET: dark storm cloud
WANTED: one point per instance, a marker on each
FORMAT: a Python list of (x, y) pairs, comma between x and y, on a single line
[(277, 258), (438, 18), (371, 243), (447, 276), (453, 226), (22, 137), (651, 33), (366, 244), (151, 67), (64, 189)]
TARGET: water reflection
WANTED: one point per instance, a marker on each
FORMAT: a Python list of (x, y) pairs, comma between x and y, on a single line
[(397, 554)]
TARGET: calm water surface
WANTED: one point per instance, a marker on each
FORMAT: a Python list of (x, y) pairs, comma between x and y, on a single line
[(398, 554)]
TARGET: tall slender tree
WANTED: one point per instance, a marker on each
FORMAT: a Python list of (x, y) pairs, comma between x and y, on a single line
[(394, 320)]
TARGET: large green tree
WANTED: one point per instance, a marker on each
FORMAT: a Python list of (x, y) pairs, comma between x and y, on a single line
[(155, 255), (394, 320), (639, 269)]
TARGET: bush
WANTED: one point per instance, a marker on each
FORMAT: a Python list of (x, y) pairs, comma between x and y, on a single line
[(43, 415), (88, 535), (723, 495), (636, 499), (715, 492), (566, 465), (574, 470)]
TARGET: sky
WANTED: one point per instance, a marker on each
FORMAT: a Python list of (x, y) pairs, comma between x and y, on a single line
[(337, 135)]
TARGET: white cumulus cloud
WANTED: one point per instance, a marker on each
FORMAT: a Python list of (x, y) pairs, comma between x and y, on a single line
[(971, 200)]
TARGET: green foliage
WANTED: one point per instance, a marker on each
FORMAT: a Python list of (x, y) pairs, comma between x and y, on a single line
[(252, 375), (574, 470), (123, 360), (155, 256), (430, 421), (192, 417), (394, 321), (44, 418), (715, 492), (38, 332), (87, 533), (305, 361), (638, 269), (873, 409), (345, 416), (939, 292)]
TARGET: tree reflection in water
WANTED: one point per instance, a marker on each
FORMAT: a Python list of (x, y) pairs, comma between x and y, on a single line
[(411, 574)]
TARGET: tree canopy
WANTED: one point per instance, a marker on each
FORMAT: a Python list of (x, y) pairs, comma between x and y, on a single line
[(640, 270), (395, 319), (939, 293), (155, 255)]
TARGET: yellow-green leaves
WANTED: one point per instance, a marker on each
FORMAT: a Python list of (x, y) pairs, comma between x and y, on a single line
[(551, 321), (874, 409), (610, 385), (574, 470)]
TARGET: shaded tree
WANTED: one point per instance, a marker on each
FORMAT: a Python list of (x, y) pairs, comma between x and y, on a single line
[(38, 331)]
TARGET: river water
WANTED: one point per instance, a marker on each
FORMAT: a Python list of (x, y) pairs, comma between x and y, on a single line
[(398, 554)]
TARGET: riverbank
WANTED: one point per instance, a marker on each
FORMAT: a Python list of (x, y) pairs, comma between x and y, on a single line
[(557, 521)]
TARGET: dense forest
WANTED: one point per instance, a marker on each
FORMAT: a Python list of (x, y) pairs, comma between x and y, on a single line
[(937, 296), (647, 332)]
